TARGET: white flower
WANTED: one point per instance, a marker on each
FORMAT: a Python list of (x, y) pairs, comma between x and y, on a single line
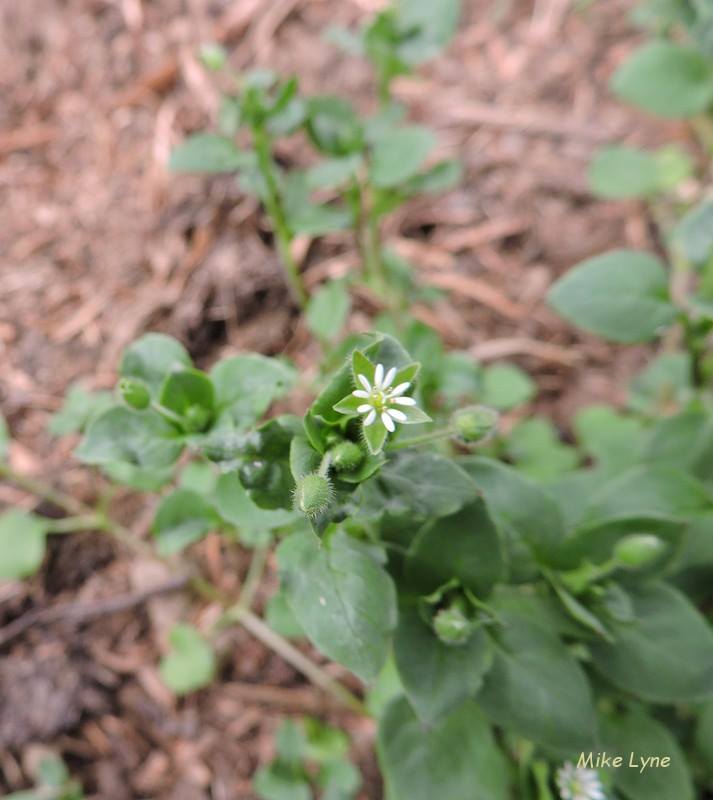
[(577, 783), (380, 399)]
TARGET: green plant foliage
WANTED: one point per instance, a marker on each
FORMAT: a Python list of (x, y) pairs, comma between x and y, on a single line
[(666, 79), (327, 310), (620, 172), (22, 544), (182, 518), (622, 296), (190, 664), (458, 755), (207, 152), (505, 386)]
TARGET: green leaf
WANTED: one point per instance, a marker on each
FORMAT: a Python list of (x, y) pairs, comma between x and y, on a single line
[(439, 178), (52, 772), (703, 746), (464, 545), (665, 655), (536, 689), (151, 358), (333, 172), (247, 385), (619, 171), (418, 486), (190, 664), (663, 387), (399, 154), (328, 309), (535, 446), (22, 544), (431, 24), (437, 677), (185, 388), (142, 439), (694, 233), (526, 516), (199, 476), (146, 479), (79, 409), (208, 152), (182, 518), (635, 734), (276, 782), (341, 597), (614, 441), (667, 79), (622, 296), (340, 780), (506, 386), (455, 758), (281, 619), (684, 441), (313, 219), (333, 126), (235, 506), (324, 742)]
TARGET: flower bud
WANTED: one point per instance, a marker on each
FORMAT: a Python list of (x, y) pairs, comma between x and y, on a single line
[(638, 550), (135, 393), (197, 418), (313, 494), (452, 626), (346, 456), (474, 423)]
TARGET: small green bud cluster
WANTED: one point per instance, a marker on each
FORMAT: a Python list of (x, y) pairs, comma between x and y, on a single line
[(346, 456), (638, 550), (452, 624), (135, 393), (474, 423), (313, 494)]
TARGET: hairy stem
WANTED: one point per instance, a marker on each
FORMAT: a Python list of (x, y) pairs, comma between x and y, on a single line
[(273, 204), (237, 613), (294, 657)]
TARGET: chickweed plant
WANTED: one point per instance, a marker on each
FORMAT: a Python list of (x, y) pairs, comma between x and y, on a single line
[(365, 167)]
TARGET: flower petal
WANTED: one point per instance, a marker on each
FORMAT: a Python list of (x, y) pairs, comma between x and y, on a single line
[(364, 381), (400, 389), (379, 376), (361, 394), (389, 377), (394, 413), (370, 417), (388, 422), (364, 408), (403, 401)]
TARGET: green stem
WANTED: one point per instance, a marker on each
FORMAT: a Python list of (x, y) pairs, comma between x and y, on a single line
[(273, 204), (373, 252), (424, 438), (294, 657), (88, 522), (236, 613), (166, 413), (325, 464), (696, 349), (253, 576)]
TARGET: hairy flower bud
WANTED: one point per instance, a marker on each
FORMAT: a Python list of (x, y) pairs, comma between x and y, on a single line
[(135, 393), (638, 550), (452, 626), (197, 418), (474, 423), (313, 494), (346, 456)]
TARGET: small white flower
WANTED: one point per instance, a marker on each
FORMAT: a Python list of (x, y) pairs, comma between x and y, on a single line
[(577, 783), (380, 399)]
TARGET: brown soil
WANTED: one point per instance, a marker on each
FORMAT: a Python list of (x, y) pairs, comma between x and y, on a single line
[(100, 243)]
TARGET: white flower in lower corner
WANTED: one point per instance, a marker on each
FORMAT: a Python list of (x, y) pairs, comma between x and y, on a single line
[(382, 399), (578, 783)]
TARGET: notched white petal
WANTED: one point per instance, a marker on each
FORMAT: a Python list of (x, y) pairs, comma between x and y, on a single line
[(399, 416), (400, 389), (370, 417), (364, 381), (389, 378), (364, 408), (404, 401), (361, 394), (388, 422)]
